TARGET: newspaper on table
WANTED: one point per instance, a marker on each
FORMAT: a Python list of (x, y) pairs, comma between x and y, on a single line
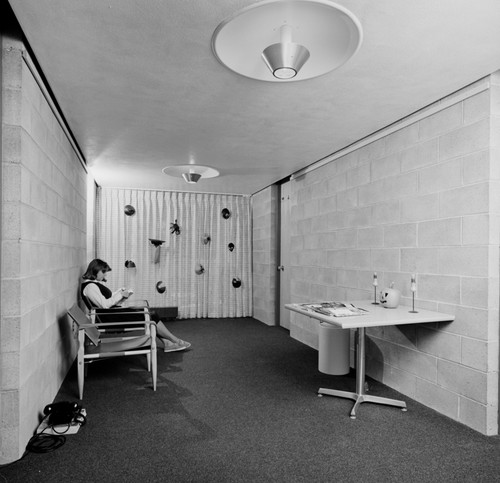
[(335, 309)]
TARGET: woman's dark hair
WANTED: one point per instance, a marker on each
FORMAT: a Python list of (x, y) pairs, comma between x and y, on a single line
[(94, 267)]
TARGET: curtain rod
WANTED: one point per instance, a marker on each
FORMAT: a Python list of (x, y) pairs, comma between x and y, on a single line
[(173, 191)]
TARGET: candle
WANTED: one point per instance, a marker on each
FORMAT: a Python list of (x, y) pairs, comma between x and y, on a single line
[(413, 286), (375, 279)]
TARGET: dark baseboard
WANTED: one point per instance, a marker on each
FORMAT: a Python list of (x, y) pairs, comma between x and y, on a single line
[(166, 313)]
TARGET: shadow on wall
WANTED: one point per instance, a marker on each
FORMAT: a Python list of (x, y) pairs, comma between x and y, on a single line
[(374, 359), (388, 346), (427, 334), (68, 344)]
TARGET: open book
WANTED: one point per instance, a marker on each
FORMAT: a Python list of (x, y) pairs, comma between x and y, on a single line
[(335, 309)]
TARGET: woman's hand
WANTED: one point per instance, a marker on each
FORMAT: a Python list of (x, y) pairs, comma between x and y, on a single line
[(125, 293)]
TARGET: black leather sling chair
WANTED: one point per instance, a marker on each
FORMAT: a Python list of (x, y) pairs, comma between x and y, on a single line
[(93, 345)]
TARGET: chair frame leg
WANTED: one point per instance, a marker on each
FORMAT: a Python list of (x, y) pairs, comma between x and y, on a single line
[(152, 357), (81, 363)]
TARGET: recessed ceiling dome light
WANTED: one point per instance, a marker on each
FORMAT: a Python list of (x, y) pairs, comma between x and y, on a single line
[(256, 42), (191, 173)]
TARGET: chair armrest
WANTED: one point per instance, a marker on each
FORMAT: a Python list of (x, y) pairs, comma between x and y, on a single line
[(120, 310), (135, 303), (119, 315), (113, 324), (115, 315), (134, 307), (121, 324)]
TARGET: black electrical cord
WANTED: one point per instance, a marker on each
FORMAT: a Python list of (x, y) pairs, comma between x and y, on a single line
[(45, 443), (40, 443)]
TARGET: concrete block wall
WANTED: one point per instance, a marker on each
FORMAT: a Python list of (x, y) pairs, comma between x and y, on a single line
[(265, 254), (42, 252), (421, 197), (91, 204)]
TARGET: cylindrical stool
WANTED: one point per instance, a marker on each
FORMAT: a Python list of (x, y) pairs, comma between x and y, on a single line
[(333, 349)]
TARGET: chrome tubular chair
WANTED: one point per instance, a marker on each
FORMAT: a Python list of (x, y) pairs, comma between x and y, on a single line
[(93, 347)]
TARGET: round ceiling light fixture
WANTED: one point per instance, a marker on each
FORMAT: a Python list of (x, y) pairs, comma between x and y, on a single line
[(291, 40), (286, 58), (191, 173), (191, 177)]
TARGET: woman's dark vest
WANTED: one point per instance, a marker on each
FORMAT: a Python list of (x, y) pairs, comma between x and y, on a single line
[(104, 315), (106, 293)]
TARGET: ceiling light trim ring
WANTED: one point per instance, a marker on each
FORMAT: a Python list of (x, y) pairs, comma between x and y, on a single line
[(236, 40), (191, 173)]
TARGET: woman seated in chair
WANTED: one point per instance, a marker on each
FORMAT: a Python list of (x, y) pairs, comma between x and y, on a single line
[(97, 295)]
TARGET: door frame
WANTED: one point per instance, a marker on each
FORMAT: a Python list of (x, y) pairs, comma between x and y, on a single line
[(283, 268)]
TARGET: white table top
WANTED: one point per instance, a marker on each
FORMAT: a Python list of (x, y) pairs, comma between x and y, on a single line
[(376, 315)]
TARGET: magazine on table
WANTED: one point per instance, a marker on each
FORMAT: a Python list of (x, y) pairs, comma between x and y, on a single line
[(335, 309)]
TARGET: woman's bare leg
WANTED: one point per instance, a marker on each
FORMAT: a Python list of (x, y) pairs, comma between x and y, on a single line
[(163, 333)]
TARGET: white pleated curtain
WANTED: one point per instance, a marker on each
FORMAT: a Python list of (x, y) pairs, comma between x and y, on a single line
[(210, 294)]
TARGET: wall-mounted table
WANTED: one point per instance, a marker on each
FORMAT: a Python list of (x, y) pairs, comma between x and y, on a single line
[(374, 316)]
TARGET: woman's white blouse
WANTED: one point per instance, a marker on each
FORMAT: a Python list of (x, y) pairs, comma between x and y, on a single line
[(97, 299)]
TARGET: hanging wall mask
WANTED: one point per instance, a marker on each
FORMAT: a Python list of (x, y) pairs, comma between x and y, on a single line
[(236, 282), (199, 269), (160, 287), (129, 210), (225, 213), (231, 247), (157, 244), (206, 239), (129, 264), (175, 228)]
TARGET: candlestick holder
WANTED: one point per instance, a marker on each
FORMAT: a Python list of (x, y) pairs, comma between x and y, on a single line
[(413, 289), (375, 285)]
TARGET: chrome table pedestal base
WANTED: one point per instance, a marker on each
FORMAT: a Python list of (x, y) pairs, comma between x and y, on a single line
[(359, 396)]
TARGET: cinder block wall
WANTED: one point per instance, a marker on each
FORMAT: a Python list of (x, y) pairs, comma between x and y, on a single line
[(42, 251), (421, 197), (265, 254)]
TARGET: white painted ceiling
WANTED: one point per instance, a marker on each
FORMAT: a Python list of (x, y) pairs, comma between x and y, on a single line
[(140, 87)]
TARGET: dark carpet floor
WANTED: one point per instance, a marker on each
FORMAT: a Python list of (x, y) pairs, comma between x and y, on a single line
[(241, 406)]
